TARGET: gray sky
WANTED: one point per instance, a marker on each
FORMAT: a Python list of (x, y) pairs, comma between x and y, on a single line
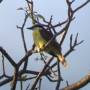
[(10, 37)]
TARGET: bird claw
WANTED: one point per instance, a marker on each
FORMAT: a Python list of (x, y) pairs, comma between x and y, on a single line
[(38, 49)]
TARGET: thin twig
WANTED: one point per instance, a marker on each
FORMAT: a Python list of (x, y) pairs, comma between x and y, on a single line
[(40, 84), (3, 64), (40, 74), (59, 76), (81, 6)]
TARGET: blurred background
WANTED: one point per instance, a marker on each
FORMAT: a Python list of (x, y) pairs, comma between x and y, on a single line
[(11, 41)]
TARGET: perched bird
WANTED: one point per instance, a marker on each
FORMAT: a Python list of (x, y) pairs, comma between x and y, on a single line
[(41, 37)]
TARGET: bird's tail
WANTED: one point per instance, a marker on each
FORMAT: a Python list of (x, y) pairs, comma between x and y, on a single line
[(61, 58)]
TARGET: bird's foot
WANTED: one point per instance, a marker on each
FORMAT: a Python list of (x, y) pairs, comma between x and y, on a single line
[(38, 49)]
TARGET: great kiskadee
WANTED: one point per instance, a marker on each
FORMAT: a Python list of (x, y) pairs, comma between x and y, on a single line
[(41, 37)]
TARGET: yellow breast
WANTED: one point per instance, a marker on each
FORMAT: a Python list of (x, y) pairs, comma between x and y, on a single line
[(38, 40)]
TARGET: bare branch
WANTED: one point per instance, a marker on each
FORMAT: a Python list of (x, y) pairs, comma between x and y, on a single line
[(40, 74), (7, 56), (20, 73), (23, 39), (28, 86), (73, 45), (29, 53), (59, 76), (48, 70), (5, 81), (81, 6), (40, 81), (3, 64), (79, 84), (15, 78)]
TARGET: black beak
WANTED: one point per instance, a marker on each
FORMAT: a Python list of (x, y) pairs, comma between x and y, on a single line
[(33, 27), (30, 28)]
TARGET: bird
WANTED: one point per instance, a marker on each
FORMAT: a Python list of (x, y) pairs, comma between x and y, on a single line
[(41, 37)]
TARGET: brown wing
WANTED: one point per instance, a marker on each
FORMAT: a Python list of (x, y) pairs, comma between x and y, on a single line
[(47, 35)]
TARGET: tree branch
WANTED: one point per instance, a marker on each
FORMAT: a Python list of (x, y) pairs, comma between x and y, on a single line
[(40, 74), (7, 56), (81, 83)]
